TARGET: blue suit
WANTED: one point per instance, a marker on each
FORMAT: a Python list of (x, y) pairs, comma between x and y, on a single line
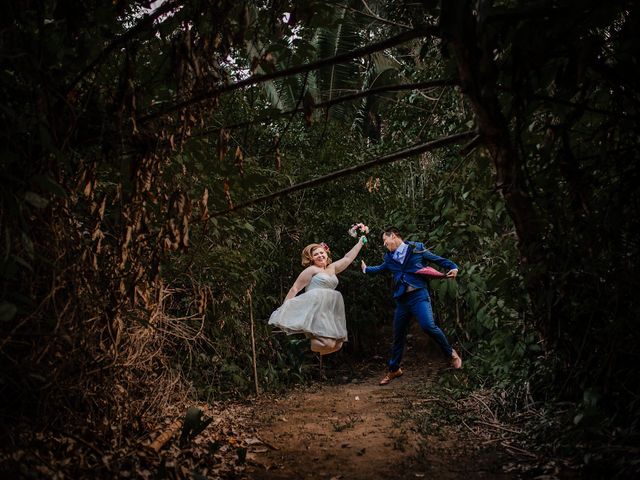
[(415, 302)]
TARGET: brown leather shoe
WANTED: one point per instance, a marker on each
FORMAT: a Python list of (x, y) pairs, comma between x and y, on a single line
[(390, 376), (456, 361)]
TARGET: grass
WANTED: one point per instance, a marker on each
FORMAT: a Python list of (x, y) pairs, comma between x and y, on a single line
[(349, 423)]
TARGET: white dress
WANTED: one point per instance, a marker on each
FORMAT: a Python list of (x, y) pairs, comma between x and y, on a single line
[(319, 311)]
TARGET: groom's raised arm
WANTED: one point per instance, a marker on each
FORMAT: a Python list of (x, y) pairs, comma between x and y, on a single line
[(375, 269)]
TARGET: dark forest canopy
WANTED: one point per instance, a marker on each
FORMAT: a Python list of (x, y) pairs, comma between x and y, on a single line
[(163, 160)]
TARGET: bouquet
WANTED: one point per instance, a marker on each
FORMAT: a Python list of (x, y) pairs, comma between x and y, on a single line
[(359, 229)]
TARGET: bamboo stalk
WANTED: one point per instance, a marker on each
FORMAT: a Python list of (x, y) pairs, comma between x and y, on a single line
[(165, 436), (253, 346)]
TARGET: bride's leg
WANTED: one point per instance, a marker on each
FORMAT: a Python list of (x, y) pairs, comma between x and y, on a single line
[(325, 346), (322, 344), (337, 345)]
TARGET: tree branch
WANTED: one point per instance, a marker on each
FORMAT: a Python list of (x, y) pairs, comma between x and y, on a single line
[(146, 21), (392, 157), (443, 82), (371, 14), (261, 78)]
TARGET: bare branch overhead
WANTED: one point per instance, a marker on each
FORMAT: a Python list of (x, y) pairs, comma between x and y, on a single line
[(392, 157), (441, 82), (260, 78), (143, 24)]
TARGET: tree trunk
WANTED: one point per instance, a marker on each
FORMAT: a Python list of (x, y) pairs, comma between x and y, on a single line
[(477, 72)]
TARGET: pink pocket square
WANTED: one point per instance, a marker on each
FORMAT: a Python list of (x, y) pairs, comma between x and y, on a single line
[(431, 273)]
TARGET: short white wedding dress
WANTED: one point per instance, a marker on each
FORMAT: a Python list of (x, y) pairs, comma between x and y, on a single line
[(319, 311)]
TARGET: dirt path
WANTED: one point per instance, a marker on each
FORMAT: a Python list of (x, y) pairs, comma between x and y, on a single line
[(349, 427)]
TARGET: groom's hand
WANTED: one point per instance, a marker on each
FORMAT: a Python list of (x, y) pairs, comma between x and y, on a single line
[(453, 273), (363, 266)]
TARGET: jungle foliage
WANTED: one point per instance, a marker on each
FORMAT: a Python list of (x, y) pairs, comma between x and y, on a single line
[(136, 136)]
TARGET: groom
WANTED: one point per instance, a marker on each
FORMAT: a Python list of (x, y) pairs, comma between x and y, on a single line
[(411, 295)]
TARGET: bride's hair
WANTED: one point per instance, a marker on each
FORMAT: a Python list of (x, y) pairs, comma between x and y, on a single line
[(307, 254)]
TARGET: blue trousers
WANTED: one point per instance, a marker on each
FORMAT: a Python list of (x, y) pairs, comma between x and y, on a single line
[(414, 304)]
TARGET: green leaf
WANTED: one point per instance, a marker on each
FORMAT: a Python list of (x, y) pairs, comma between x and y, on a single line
[(36, 200), (7, 311), (21, 261), (50, 185)]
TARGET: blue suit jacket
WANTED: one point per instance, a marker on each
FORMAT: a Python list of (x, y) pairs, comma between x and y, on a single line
[(414, 260)]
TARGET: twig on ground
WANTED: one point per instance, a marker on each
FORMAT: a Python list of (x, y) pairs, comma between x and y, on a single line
[(271, 446), (486, 406), (518, 449), (500, 427), (470, 429)]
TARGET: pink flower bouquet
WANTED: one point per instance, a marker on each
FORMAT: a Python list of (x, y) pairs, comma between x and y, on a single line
[(358, 229)]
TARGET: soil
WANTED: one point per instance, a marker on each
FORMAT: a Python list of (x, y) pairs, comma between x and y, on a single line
[(347, 426)]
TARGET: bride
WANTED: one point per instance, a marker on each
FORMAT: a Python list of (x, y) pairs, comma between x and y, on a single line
[(319, 311)]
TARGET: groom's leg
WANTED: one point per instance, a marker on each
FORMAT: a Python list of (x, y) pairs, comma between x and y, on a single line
[(421, 308), (401, 319)]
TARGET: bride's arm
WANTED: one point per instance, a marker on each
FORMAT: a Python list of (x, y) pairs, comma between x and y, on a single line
[(344, 262), (302, 281)]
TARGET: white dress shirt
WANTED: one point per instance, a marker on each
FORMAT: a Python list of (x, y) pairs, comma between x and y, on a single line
[(400, 252)]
